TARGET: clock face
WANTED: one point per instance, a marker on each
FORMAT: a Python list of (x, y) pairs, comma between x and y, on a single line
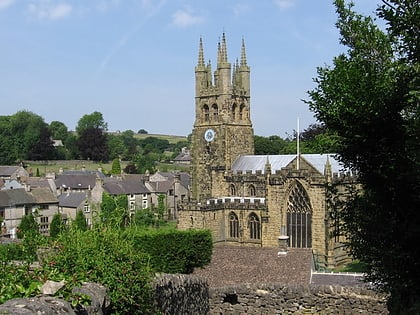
[(209, 135)]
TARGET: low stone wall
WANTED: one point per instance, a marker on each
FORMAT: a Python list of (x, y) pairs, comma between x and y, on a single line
[(181, 294), (281, 299), (189, 294)]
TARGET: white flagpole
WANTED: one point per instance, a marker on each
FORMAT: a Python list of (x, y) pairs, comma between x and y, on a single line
[(297, 146)]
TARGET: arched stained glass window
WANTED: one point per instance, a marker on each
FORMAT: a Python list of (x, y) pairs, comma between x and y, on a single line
[(299, 217), (233, 225), (254, 227)]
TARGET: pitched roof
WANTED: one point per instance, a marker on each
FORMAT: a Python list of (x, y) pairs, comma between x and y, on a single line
[(13, 197), (117, 186), (71, 199), (6, 170), (79, 181), (43, 195), (256, 163)]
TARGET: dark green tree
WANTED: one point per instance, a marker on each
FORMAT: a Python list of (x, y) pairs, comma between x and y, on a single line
[(92, 145), (57, 225), (369, 99), (79, 222)]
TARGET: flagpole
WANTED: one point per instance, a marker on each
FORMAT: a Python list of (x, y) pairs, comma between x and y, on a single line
[(297, 146)]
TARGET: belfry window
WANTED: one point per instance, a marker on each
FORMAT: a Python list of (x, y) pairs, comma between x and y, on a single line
[(206, 113), (241, 111), (234, 108), (215, 110), (254, 227), (233, 225), (299, 217)]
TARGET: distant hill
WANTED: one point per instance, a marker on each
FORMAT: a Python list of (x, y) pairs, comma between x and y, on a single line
[(170, 138)]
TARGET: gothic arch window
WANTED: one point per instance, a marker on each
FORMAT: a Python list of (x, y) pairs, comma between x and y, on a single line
[(215, 110), (232, 189), (251, 191), (234, 109), (254, 227), (241, 112), (206, 112), (233, 225), (299, 217)]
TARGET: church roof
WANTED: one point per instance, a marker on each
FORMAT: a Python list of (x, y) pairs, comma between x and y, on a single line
[(256, 163)]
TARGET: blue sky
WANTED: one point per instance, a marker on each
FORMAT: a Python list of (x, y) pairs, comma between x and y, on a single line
[(133, 60)]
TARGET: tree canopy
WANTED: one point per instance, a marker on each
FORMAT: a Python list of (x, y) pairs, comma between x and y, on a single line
[(369, 100)]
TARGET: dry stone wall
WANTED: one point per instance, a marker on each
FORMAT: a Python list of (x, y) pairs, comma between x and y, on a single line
[(189, 294)]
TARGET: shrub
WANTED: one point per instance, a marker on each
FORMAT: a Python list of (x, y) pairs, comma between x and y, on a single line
[(104, 257), (174, 251)]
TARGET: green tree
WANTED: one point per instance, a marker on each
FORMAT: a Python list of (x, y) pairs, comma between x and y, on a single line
[(57, 225), (116, 167), (369, 99), (24, 136), (79, 222), (116, 146), (28, 226), (58, 130), (94, 121)]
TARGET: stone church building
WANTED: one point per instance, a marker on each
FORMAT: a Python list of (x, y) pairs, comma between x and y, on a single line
[(247, 199)]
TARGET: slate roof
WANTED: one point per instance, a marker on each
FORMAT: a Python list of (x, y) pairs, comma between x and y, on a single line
[(257, 162), (6, 171), (11, 197), (183, 157), (76, 181), (43, 195), (71, 199), (124, 187)]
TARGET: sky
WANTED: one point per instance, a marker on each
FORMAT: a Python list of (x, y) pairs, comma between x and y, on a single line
[(133, 60)]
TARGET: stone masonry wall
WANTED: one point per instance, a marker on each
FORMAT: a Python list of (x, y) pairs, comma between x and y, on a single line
[(189, 294)]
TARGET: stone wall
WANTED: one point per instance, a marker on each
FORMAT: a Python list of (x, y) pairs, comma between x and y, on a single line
[(181, 294), (280, 299), (189, 294)]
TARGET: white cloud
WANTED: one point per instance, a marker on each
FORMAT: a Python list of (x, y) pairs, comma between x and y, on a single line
[(284, 4), (49, 10), (184, 18), (5, 3)]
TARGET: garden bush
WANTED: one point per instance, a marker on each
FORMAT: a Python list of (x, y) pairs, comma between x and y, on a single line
[(174, 251)]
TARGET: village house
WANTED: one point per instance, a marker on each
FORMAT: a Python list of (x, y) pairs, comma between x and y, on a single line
[(15, 203), (173, 185)]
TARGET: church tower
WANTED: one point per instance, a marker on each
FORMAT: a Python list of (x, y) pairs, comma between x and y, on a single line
[(222, 128)]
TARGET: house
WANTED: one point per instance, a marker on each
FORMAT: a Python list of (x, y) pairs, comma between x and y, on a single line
[(173, 185), (138, 195), (184, 157), (70, 202), (13, 172), (15, 203)]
